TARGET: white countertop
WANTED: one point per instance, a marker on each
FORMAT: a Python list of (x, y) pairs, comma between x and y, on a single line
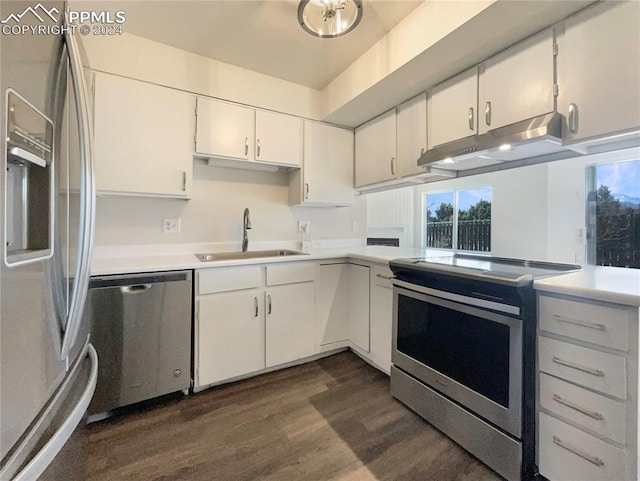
[(609, 284), (123, 260)]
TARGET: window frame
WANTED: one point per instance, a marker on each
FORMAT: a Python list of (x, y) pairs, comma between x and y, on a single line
[(590, 199), (454, 234)]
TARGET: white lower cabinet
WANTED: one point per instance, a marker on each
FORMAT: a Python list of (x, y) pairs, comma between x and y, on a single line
[(231, 335), (256, 317), (332, 305), (266, 320), (381, 317), (571, 454), (359, 327), (289, 323), (342, 305), (587, 390)]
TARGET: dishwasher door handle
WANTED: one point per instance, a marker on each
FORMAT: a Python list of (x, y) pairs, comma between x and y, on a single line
[(135, 289)]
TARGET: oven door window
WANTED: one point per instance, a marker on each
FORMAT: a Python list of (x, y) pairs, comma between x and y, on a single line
[(471, 350)]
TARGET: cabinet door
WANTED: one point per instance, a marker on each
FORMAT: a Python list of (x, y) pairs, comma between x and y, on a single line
[(359, 306), (332, 303), (289, 323), (143, 138), (278, 138), (230, 335), (381, 317), (376, 150), (412, 135), (599, 70), (328, 165), (225, 130), (517, 84), (453, 109)]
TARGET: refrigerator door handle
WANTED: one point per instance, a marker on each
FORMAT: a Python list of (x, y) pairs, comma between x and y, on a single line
[(40, 461), (87, 198)]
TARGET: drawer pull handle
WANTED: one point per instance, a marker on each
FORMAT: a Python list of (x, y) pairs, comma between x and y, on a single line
[(384, 277), (575, 407), (588, 457), (255, 306), (577, 322), (588, 370)]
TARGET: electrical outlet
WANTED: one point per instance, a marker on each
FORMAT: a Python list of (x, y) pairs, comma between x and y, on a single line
[(171, 226), (355, 226), (304, 225)]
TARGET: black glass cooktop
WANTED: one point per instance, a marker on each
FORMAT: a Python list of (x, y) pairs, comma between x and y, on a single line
[(498, 268)]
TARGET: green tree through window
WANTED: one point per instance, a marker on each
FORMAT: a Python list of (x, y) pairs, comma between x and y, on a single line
[(459, 218)]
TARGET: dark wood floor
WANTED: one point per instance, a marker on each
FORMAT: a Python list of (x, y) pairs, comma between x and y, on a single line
[(332, 419)]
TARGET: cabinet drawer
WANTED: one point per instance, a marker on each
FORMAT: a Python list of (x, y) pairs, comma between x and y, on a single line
[(602, 325), (566, 453), (382, 276), (585, 408), (290, 273), (228, 279), (597, 370)]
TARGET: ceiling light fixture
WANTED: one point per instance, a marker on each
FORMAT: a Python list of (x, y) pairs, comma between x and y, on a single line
[(329, 18)]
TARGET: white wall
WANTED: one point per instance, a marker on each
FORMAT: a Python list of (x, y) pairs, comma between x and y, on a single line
[(518, 209), (390, 214), (538, 212), (566, 217), (214, 214), (136, 57), (219, 196)]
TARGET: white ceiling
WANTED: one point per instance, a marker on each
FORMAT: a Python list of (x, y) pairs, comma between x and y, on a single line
[(261, 35)]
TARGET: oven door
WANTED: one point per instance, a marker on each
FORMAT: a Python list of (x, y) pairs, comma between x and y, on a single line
[(471, 355)]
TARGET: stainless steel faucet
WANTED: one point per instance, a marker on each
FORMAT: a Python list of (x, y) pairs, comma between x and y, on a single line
[(246, 224)]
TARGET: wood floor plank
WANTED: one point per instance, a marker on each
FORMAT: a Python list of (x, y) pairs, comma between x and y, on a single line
[(331, 419)]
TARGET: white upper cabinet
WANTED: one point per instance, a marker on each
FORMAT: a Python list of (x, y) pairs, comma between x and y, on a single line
[(278, 138), (327, 175), (232, 131), (225, 130), (143, 138), (453, 109), (599, 70), (411, 135), (517, 84), (376, 150)]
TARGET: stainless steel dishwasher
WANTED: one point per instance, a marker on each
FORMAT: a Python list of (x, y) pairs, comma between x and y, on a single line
[(141, 329)]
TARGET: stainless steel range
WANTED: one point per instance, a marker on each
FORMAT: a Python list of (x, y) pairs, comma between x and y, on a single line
[(464, 352)]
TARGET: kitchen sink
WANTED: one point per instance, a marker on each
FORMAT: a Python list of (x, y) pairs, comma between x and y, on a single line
[(231, 256)]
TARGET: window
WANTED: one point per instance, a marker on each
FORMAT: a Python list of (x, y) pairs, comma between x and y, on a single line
[(459, 218), (613, 214)]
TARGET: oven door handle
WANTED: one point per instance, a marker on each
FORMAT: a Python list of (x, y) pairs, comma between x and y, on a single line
[(472, 301)]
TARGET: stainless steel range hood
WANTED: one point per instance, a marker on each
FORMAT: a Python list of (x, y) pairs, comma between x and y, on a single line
[(535, 137)]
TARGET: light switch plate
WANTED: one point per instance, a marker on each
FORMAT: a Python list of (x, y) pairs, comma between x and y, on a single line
[(171, 226)]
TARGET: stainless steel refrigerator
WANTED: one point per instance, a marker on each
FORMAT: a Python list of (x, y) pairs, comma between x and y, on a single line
[(48, 368)]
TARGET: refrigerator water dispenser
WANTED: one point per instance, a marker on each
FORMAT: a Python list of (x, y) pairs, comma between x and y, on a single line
[(29, 201)]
